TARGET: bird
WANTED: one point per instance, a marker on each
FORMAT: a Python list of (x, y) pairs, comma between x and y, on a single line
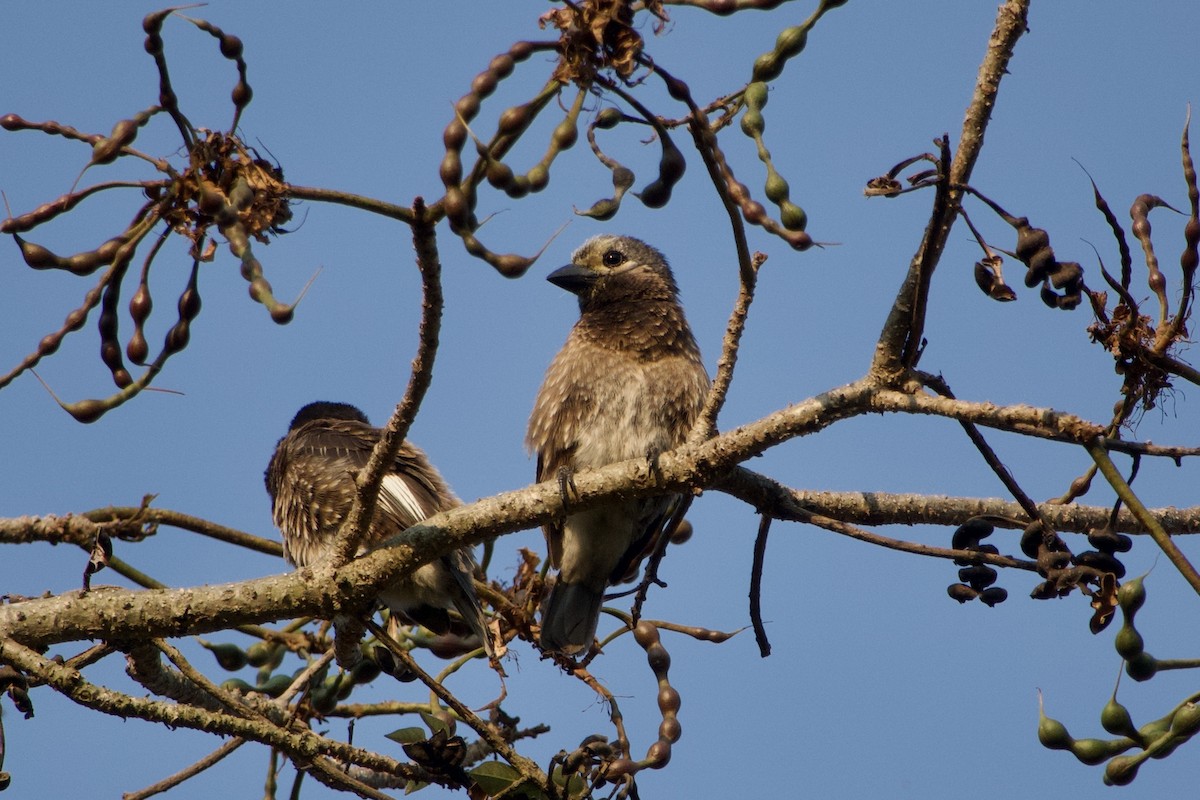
[(629, 382), (311, 481)]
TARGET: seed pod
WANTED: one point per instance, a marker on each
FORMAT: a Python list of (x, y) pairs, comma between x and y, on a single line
[(1131, 596), (538, 177), (229, 656), (682, 533), (323, 699), (501, 66), (365, 671), (645, 634), (86, 411), (961, 592), (767, 67), (1052, 734), (1101, 561), (753, 123), (607, 118), (1142, 666), (755, 95), (979, 576), (791, 41), (793, 216), (1186, 721), (971, 533), (275, 685), (37, 256), (1096, 751), (1115, 719), (1121, 770), (231, 46), (499, 174), (565, 134), (259, 653), (992, 596)]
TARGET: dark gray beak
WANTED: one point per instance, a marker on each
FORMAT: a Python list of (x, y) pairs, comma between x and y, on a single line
[(573, 278)]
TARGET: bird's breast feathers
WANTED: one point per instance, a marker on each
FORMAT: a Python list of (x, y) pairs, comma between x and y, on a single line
[(603, 406)]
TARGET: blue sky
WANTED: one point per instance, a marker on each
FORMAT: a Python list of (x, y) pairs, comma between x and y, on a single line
[(879, 685)]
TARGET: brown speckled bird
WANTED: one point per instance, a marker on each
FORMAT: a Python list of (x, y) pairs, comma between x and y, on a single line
[(628, 383), (311, 481)]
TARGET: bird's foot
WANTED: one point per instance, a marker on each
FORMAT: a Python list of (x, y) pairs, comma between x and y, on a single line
[(566, 485)]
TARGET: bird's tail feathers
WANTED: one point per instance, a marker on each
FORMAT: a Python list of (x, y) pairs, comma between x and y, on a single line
[(572, 612)]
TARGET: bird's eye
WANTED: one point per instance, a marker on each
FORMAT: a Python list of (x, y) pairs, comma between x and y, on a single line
[(613, 257)]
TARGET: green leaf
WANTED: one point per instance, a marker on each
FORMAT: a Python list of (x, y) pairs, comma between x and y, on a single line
[(436, 723), (414, 786), (494, 776), (407, 735)]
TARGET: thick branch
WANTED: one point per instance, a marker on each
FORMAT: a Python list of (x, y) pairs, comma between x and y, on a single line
[(110, 614)]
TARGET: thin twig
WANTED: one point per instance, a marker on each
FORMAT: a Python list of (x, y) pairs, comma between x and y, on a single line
[(190, 771), (370, 478)]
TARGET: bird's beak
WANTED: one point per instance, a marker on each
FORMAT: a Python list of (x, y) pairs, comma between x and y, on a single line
[(573, 278)]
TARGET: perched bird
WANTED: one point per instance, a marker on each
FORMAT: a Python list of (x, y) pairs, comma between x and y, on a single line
[(311, 481), (628, 383)]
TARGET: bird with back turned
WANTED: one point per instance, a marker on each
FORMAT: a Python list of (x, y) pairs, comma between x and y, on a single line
[(311, 480)]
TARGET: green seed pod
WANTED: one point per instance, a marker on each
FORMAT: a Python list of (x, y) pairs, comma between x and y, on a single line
[(323, 699), (1052, 733), (275, 685), (1095, 751), (608, 118), (1186, 721), (776, 188), (1131, 596), (1128, 642), (791, 41), (755, 95), (229, 656), (364, 671), (1121, 771), (259, 653), (767, 67), (793, 216), (752, 123), (1153, 731), (565, 134), (1141, 667), (1115, 719), (602, 209)]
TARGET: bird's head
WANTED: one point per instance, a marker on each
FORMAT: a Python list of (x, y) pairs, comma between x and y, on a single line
[(325, 409), (609, 269)]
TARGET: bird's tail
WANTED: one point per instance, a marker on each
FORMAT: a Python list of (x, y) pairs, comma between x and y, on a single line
[(569, 623), (468, 606)]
